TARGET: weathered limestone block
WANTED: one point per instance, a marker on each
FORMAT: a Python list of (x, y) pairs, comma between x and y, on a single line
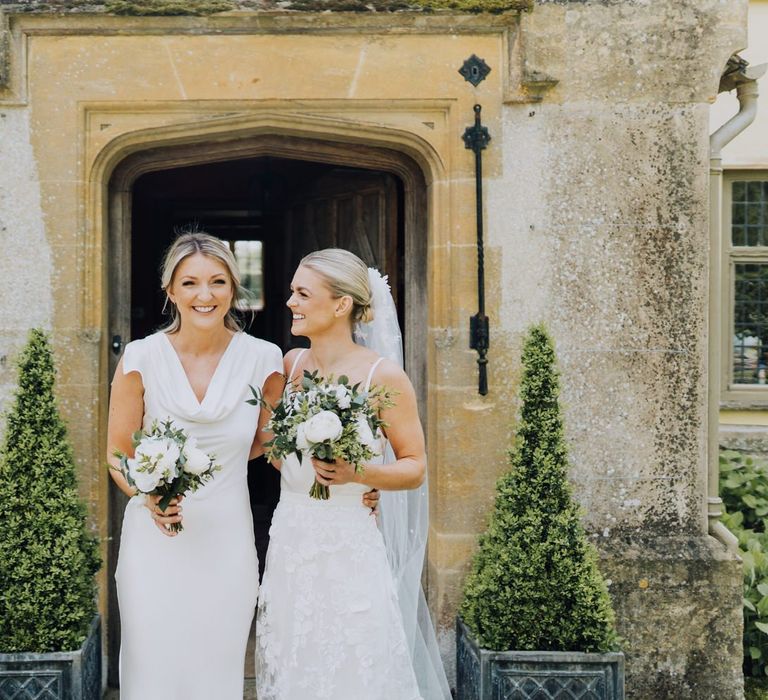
[(686, 585), (751, 439), (632, 49), (25, 263)]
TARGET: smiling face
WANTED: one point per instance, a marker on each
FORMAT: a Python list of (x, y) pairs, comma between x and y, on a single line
[(314, 309), (202, 290)]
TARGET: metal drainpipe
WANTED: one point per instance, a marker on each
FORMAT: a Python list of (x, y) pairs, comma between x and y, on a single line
[(745, 81)]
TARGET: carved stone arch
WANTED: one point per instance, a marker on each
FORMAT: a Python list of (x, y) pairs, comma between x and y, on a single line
[(165, 153)]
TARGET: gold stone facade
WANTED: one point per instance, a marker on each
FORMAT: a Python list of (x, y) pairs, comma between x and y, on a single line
[(595, 201)]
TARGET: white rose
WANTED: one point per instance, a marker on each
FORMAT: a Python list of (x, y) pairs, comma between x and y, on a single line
[(146, 481), (301, 437), (197, 461), (323, 426), (365, 434)]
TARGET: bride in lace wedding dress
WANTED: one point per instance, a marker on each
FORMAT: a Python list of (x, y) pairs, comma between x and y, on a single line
[(330, 619)]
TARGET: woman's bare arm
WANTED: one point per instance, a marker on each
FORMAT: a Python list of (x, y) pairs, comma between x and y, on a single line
[(126, 412), (126, 415)]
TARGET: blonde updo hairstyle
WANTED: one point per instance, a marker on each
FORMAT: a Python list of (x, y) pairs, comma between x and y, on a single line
[(191, 243), (346, 275)]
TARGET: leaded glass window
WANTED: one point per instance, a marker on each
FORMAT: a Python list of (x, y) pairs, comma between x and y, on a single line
[(750, 323), (249, 259), (749, 281), (749, 213)]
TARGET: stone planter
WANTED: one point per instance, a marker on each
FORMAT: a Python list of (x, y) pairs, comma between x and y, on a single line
[(482, 674), (59, 675)]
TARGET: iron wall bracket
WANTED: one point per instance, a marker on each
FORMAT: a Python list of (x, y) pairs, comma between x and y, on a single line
[(476, 138)]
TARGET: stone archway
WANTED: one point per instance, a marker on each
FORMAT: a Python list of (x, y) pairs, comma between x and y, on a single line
[(412, 224)]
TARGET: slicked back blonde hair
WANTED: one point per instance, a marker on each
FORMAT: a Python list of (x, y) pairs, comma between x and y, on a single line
[(190, 243), (346, 275)]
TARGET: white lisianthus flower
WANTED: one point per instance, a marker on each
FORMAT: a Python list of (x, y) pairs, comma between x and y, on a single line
[(197, 461), (301, 437), (146, 480), (323, 426), (365, 434), (312, 397)]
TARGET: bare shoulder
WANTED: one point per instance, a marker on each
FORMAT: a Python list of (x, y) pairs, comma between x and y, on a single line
[(290, 358), (390, 375), (130, 379)]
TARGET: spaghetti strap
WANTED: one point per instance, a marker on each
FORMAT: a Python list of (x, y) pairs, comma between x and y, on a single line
[(295, 364), (370, 374)]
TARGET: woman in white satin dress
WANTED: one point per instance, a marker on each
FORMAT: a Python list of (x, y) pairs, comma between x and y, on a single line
[(187, 600), (328, 622)]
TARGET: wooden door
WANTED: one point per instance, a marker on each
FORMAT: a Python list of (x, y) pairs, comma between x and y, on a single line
[(119, 329), (352, 209)]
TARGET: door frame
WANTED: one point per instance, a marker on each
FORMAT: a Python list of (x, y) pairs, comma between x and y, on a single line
[(307, 148)]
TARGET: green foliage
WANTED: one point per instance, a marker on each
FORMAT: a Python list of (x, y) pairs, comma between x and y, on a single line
[(168, 7), (756, 689), (47, 558), (744, 490), (534, 583)]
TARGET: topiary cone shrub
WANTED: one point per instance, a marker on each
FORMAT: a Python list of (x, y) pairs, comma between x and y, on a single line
[(47, 557), (534, 582)]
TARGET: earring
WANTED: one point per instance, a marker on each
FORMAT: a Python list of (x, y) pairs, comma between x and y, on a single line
[(165, 305)]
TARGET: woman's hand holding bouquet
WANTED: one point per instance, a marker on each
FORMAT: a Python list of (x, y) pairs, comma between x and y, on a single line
[(328, 420), (166, 464)]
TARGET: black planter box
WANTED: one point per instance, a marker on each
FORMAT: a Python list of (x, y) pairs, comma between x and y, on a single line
[(482, 674), (59, 675)]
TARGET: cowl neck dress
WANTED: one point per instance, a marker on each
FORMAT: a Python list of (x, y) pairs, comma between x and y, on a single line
[(186, 602)]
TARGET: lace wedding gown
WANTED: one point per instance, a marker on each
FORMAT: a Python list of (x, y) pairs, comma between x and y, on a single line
[(328, 623), (186, 602)]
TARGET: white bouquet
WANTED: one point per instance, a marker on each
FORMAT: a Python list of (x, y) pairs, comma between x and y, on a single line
[(166, 462), (327, 420)]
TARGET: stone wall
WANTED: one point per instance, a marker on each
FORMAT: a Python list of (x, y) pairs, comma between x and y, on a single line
[(25, 263)]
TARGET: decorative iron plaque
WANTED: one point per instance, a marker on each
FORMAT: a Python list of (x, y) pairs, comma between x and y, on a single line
[(474, 70)]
